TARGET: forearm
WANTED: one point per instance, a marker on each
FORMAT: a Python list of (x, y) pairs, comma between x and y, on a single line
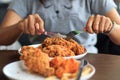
[(115, 34), (9, 34)]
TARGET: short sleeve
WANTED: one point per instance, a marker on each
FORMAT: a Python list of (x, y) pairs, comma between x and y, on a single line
[(20, 7), (102, 6)]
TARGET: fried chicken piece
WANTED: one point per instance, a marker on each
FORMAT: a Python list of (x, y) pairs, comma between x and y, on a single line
[(58, 50), (77, 48), (36, 61), (62, 66), (56, 62), (69, 44), (56, 41)]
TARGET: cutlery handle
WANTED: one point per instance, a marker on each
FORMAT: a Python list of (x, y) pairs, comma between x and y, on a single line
[(80, 69)]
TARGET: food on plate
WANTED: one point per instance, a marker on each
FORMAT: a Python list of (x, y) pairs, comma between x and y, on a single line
[(72, 76), (62, 66), (40, 63), (57, 50), (87, 70), (51, 78), (56, 46), (36, 61), (69, 44)]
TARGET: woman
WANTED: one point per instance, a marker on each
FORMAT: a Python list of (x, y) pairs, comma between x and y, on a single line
[(36, 16)]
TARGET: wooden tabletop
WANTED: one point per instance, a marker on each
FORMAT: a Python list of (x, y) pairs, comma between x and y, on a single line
[(107, 66)]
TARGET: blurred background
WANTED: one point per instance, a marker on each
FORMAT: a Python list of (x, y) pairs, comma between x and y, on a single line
[(104, 44)]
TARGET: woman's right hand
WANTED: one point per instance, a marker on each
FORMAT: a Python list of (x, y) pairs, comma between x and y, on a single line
[(32, 25)]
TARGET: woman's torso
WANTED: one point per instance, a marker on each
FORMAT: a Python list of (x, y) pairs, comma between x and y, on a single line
[(64, 16)]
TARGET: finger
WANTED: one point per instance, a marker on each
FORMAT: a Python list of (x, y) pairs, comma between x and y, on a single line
[(26, 27), (96, 23), (108, 25), (31, 24), (102, 24), (37, 29), (89, 24), (40, 22)]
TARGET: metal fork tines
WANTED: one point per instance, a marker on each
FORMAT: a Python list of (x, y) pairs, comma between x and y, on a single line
[(71, 34)]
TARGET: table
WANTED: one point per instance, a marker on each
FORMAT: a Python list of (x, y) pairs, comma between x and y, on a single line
[(107, 66)]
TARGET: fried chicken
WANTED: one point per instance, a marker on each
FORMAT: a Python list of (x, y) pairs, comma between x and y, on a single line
[(69, 45), (57, 50), (36, 61), (62, 66), (77, 48), (56, 41)]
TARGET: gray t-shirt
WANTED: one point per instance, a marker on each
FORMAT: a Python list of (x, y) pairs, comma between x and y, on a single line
[(65, 15)]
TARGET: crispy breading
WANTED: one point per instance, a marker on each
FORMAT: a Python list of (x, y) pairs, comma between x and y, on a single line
[(69, 44), (36, 61), (57, 50), (77, 48), (62, 66), (56, 41)]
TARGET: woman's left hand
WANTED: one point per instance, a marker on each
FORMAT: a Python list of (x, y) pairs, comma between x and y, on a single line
[(98, 24)]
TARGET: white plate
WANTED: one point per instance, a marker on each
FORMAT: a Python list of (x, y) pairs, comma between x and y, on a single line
[(75, 57), (17, 71)]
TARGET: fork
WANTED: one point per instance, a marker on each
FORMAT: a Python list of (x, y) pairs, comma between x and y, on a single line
[(71, 34), (67, 36)]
